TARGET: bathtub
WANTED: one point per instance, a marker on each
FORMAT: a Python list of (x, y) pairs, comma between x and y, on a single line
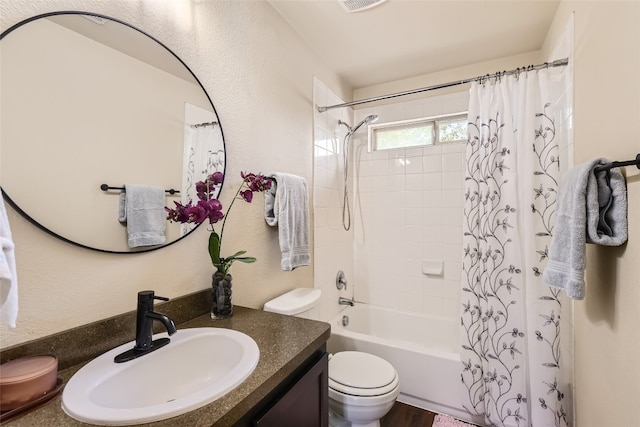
[(423, 349)]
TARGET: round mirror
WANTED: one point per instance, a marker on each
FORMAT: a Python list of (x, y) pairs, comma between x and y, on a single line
[(89, 106)]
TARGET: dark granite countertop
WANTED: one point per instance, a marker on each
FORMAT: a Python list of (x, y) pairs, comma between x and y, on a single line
[(285, 342)]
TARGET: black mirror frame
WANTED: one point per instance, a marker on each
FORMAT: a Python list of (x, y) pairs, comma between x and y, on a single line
[(8, 199)]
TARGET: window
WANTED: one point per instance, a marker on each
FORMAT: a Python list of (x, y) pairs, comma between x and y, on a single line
[(418, 132), (452, 129)]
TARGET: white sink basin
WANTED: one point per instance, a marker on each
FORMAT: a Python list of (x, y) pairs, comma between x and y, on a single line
[(198, 366)]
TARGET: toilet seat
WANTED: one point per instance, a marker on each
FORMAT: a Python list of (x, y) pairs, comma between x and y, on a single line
[(361, 374)]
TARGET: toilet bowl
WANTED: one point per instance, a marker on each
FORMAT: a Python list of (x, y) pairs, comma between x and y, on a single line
[(362, 387)]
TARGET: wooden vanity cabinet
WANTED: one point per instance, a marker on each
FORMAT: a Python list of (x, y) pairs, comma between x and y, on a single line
[(302, 399)]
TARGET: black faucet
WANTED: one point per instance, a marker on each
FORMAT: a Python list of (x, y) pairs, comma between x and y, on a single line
[(144, 328)]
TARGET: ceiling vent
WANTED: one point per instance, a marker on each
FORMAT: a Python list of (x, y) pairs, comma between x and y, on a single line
[(359, 5)]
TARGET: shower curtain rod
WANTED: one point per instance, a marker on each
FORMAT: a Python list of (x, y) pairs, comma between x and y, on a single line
[(202, 125), (556, 63)]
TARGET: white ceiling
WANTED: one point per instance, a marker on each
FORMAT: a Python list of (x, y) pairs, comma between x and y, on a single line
[(405, 38)]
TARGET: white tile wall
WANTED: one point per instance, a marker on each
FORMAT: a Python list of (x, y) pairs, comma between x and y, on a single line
[(409, 211), (333, 246)]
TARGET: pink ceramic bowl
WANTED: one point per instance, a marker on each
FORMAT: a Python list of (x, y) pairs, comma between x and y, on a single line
[(26, 379)]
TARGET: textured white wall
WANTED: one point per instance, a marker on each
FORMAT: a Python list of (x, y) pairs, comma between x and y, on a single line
[(259, 74)]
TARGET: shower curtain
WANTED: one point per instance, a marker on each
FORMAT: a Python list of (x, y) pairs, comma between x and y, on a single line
[(512, 373), (203, 152), (197, 158)]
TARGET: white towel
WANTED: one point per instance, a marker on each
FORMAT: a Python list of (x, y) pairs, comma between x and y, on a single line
[(142, 208), (590, 210), (8, 276), (286, 205)]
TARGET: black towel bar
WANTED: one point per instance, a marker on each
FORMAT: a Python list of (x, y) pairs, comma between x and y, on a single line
[(611, 165), (105, 187)]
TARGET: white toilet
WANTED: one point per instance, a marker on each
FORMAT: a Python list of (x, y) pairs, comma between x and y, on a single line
[(362, 387)]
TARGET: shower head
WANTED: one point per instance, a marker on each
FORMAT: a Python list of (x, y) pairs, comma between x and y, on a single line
[(346, 212), (369, 119)]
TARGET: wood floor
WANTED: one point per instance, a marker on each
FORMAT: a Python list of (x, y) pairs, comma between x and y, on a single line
[(402, 415)]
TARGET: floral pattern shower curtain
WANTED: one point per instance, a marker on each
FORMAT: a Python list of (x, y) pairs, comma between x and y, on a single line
[(512, 371)]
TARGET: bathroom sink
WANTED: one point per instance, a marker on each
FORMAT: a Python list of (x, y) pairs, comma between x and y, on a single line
[(198, 366)]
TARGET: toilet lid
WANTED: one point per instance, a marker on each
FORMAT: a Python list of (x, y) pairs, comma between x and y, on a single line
[(361, 374), (294, 302)]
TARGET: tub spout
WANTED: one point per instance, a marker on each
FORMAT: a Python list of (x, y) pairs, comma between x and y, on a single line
[(345, 301)]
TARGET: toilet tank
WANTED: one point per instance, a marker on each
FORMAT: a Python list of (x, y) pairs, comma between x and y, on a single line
[(300, 302)]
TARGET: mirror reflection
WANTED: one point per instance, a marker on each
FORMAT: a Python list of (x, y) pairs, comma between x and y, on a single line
[(87, 101)]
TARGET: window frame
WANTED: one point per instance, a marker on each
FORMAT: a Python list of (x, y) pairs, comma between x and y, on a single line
[(432, 120)]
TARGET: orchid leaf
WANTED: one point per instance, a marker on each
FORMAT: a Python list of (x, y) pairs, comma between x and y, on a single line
[(237, 254), (214, 248), (246, 259)]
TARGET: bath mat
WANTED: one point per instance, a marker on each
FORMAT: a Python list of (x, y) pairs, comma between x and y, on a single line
[(446, 421)]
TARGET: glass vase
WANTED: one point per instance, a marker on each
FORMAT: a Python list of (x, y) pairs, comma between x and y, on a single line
[(222, 296)]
